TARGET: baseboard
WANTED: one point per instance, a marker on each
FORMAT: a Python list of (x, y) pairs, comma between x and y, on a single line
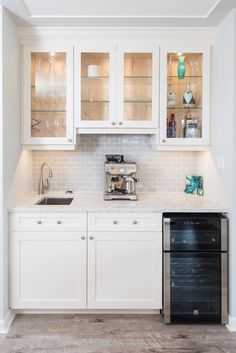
[(6, 323), (231, 326), (86, 311)]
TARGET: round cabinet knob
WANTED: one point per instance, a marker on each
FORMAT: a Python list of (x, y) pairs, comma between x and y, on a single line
[(91, 238), (59, 222), (135, 222), (115, 222), (82, 238), (163, 140), (213, 239), (120, 122), (113, 123), (69, 140), (39, 222)]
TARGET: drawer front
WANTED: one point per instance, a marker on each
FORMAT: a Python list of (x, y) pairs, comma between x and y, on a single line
[(49, 221), (125, 222)]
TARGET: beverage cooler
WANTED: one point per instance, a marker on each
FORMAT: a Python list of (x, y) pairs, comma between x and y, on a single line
[(195, 255)]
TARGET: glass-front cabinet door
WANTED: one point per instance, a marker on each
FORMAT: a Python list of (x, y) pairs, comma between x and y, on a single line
[(138, 85), (184, 96), (48, 96), (95, 75)]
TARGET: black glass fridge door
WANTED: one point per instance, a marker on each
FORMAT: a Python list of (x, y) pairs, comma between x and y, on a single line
[(194, 287), (194, 233)]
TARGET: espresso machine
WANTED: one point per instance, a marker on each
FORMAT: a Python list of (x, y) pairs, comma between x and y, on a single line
[(120, 178)]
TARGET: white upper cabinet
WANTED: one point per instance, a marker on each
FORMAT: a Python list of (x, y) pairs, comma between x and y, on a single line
[(137, 76), (184, 95), (116, 85), (95, 85), (47, 109)]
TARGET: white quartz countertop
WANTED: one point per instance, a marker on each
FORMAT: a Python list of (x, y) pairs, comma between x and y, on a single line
[(147, 202)]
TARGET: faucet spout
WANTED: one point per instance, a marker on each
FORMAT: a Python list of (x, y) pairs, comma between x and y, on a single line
[(44, 182)]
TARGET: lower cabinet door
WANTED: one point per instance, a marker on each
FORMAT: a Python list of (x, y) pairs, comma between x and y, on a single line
[(48, 270), (125, 270)]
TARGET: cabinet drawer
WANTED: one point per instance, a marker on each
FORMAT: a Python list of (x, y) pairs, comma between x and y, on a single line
[(125, 222), (49, 221)]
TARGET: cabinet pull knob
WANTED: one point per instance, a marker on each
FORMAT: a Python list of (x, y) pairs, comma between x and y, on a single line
[(120, 122), (163, 140), (59, 222), (91, 237), (39, 222), (115, 222), (82, 238), (113, 123), (135, 222), (69, 140)]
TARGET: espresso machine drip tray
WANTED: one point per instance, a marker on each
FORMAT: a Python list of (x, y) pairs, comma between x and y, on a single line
[(116, 196), (120, 178)]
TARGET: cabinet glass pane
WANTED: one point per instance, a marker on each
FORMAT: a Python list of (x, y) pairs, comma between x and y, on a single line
[(48, 94), (184, 95), (138, 86), (95, 77)]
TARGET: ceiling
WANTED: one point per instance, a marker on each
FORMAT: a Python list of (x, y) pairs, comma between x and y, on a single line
[(119, 12), (120, 8)]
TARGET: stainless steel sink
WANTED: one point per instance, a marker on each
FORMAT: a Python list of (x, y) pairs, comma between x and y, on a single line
[(55, 201)]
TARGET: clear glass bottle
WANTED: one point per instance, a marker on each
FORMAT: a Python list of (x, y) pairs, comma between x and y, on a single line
[(171, 127), (170, 97), (188, 99)]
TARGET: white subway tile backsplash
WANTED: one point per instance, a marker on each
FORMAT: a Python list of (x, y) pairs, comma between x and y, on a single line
[(82, 170)]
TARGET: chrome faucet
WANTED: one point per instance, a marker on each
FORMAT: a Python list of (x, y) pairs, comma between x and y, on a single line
[(44, 182)]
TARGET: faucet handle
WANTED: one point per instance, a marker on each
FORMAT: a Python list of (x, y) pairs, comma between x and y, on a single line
[(136, 179)]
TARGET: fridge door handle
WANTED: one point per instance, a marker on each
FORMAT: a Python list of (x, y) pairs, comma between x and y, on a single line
[(166, 234), (166, 288), (224, 234), (224, 288)]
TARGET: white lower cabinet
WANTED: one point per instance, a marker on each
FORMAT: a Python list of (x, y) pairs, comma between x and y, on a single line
[(125, 270), (48, 270), (58, 265)]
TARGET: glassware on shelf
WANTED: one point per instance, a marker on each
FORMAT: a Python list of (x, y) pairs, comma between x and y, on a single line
[(181, 69), (95, 85), (48, 94)]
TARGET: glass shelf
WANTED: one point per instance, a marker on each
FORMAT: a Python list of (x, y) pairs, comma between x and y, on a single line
[(138, 77), (138, 101), (48, 86), (94, 77), (182, 78), (184, 108), (93, 101), (48, 111)]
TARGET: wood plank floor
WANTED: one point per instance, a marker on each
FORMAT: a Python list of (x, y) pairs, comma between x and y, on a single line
[(112, 334)]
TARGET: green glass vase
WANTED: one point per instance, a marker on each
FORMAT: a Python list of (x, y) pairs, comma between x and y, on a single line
[(181, 67)]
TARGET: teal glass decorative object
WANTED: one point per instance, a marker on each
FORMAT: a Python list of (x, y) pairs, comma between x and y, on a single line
[(181, 69), (194, 185)]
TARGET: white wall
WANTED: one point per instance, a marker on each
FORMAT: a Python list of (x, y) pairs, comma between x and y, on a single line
[(214, 188), (223, 128), (1, 183), (15, 165)]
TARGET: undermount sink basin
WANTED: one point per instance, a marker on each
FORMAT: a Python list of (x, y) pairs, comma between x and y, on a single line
[(55, 201)]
